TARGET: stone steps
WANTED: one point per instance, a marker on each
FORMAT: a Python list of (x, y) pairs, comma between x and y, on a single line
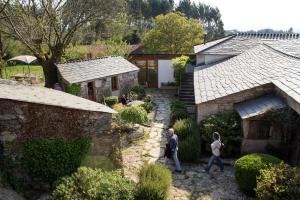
[(186, 93)]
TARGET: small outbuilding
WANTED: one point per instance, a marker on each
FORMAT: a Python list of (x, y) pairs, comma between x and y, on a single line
[(96, 78)]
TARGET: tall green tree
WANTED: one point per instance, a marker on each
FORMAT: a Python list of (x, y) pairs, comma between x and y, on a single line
[(47, 27), (209, 16), (173, 33)]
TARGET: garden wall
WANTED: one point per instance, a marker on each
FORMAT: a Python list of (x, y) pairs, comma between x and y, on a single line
[(21, 120)]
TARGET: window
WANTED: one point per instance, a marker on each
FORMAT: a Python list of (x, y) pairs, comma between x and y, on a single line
[(114, 83), (259, 129)]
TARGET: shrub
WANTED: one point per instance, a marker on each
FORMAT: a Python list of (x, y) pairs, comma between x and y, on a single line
[(94, 184), (155, 182), (229, 126), (110, 101), (247, 169), (118, 107), (75, 53), (133, 96), (148, 98), (50, 159), (139, 90), (148, 106), (178, 110), (278, 182), (134, 115), (73, 88), (189, 144), (179, 66)]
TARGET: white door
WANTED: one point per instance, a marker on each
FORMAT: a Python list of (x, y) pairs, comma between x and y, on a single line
[(165, 72)]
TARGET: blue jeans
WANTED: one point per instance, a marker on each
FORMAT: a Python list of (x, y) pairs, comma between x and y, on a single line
[(175, 158), (211, 162)]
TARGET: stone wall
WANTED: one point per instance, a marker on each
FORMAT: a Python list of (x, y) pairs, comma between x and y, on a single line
[(21, 120), (226, 103), (126, 81)]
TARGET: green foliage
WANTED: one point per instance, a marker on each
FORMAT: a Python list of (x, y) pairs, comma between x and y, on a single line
[(76, 52), (73, 88), (189, 148), (278, 182), (8, 71), (173, 33), (115, 47), (179, 64), (110, 101), (134, 115), (94, 184), (155, 182), (133, 96), (247, 169), (8, 177), (148, 98), (139, 90), (50, 159), (178, 110), (148, 106), (228, 124)]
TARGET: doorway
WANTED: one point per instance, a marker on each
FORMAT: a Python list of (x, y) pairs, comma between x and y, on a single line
[(91, 91)]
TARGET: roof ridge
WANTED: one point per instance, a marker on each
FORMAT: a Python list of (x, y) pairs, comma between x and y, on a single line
[(87, 59), (220, 42), (280, 52), (272, 36)]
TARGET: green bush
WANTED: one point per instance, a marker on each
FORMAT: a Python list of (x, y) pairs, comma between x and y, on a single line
[(134, 115), (94, 184), (75, 53), (133, 96), (189, 140), (247, 169), (148, 106), (139, 90), (50, 159), (229, 126), (179, 66), (278, 182), (110, 101), (148, 98), (73, 88), (155, 182), (178, 110)]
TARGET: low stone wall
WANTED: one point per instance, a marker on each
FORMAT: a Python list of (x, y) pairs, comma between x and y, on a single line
[(21, 120)]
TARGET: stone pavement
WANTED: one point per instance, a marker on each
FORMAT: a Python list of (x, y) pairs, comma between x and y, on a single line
[(192, 183)]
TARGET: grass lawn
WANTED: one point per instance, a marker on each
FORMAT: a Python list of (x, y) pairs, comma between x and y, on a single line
[(22, 69)]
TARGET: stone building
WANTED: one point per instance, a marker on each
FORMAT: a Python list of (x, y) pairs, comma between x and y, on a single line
[(107, 76), (37, 112), (264, 77)]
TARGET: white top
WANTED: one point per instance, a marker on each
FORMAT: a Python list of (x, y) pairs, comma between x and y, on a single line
[(215, 147)]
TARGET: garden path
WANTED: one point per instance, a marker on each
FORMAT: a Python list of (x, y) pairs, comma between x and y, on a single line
[(192, 183)]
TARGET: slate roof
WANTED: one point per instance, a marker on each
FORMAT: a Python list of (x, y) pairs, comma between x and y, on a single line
[(259, 106), (40, 95), (256, 67), (86, 70), (237, 44)]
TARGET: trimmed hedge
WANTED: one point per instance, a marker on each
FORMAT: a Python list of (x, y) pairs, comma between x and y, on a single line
[(278, 182), (94, 184), (247, 169), (111, 100), (50, 159), (155, 182), (133, 115), (228, 124), (189, 139)]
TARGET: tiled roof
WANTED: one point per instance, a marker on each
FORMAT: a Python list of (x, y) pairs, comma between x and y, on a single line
[(259, 106), (240, 43), (40, 95), (80, 71), (202, 47), (255, 67)]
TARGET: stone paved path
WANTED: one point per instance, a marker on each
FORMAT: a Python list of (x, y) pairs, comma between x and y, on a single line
[(192, 183)]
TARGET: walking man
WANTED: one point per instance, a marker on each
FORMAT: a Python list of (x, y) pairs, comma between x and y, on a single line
[(173, 141), (215, 148)]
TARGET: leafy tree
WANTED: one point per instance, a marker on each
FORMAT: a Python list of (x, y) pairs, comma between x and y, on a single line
[(178, 65), (46, 27), (209, 16), (173, 33)]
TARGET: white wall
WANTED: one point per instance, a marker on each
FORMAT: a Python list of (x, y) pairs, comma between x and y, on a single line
[(165, 72)]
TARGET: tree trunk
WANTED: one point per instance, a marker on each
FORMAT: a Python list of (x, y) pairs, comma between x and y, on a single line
[(50, 73)]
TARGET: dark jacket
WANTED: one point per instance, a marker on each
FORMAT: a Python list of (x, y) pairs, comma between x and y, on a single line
[(173, 142)]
